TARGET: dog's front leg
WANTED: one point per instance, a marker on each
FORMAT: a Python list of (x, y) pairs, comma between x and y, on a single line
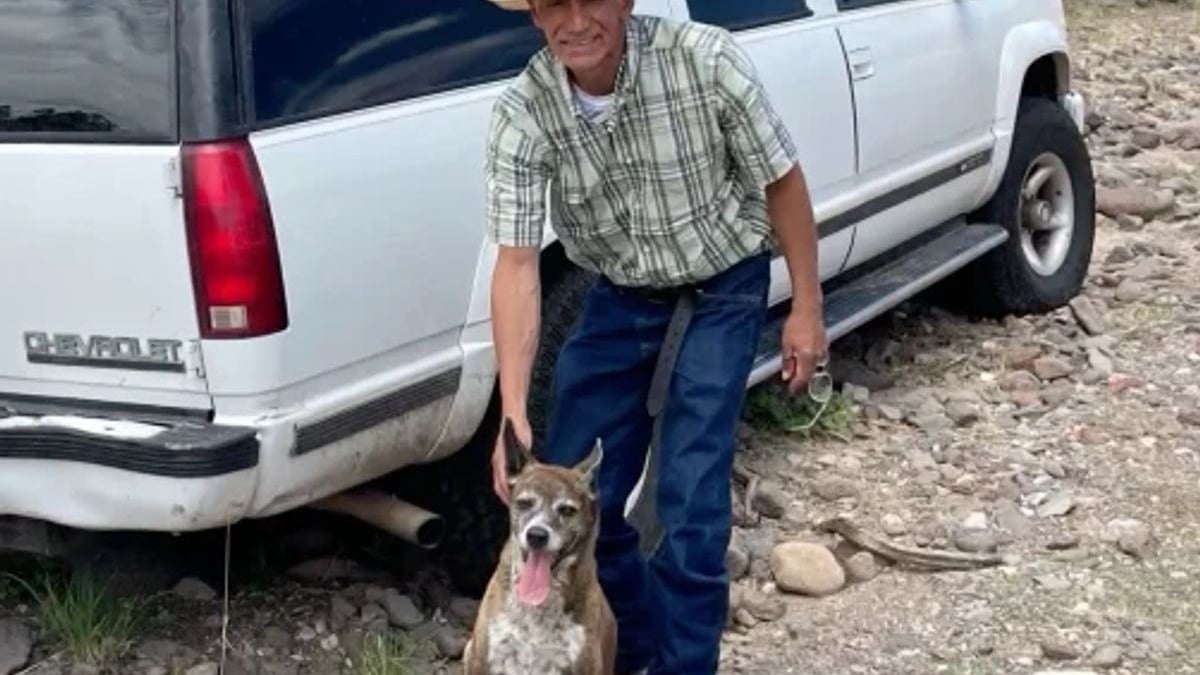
[(475, 660), (594, 661)]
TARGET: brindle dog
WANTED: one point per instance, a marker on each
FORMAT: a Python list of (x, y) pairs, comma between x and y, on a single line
[(544, 612)]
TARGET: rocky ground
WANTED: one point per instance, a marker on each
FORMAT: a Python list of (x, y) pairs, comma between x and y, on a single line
[(1066, 445)]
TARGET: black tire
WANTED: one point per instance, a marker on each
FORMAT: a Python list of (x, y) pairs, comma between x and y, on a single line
[(562, 306), (1004, 281), (476, 521)]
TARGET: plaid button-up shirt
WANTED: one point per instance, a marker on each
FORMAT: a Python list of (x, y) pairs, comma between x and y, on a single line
[(667, 187)]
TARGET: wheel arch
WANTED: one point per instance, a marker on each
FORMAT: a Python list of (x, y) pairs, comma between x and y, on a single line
[(1035, 61)]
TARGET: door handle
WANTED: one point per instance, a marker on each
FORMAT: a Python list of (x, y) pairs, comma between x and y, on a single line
[(862, 66)]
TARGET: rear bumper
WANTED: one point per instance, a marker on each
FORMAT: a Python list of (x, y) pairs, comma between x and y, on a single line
[(116, 467), (122, 469), (187, 450)]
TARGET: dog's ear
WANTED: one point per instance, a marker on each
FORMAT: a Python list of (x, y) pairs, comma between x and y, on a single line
[(516, 455), (590, 465)]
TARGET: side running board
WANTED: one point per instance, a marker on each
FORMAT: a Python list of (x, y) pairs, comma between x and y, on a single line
[(867, 292)]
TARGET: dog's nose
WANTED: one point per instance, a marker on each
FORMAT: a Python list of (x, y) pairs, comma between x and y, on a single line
[(537, 537)]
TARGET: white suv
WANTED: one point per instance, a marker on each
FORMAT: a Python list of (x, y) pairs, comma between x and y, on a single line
[(243, 247)]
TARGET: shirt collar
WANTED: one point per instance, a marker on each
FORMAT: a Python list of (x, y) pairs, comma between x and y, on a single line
[(626, 72)]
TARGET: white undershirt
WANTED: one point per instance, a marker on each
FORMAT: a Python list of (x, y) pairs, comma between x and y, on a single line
[(593, 106)]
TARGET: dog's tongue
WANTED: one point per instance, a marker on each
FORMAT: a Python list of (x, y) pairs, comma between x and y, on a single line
[(533, 581)]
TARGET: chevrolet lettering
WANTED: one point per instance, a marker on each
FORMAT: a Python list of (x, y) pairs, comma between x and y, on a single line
[(103, 351)]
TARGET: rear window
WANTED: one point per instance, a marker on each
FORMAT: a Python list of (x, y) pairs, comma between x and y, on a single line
[(86, 69), (315, 57)]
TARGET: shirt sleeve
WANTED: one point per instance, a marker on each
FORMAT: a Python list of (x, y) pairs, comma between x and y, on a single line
[(517, 171), (759, 142)]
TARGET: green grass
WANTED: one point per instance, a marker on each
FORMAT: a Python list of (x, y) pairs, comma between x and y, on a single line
[(391, 653), (772, 408), (80, 619)]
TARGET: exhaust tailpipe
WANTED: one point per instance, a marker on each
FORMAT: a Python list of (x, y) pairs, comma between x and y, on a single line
[(390, 514)]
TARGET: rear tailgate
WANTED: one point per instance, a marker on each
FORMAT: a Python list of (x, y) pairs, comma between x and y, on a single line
[(98, 301)]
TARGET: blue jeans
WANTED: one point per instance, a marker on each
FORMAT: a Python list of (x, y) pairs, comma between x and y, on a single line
[(671, 610)]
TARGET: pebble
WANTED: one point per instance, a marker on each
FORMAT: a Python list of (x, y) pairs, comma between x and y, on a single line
[(977, 520), (1021, 357), (208, 668), (806, 568), (1088, 317), (834, 488), (1106, 656), (401, 610), (1052, 582), (769, 499), (1059, 650), (1050, 368), (761, 606), (16, 645), (893, 525), (973, 540), (1010, 517), (1131, 536), (962, 413), (1133, 200), (1063, 542), (341, 611), (1058, 504), (450, 642), (862, 566), (737, 561), (192, 588), (1160, 643)]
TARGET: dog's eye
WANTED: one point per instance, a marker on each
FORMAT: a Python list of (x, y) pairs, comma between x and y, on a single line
[(567, 511), (524, 504)]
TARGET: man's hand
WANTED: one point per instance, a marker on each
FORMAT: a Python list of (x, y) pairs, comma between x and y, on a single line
[(500, 460), (804, 346)]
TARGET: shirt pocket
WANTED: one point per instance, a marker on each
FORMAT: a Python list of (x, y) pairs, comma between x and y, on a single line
[(679, 175)]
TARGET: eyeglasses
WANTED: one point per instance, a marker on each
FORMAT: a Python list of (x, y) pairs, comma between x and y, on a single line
[(819, 389)]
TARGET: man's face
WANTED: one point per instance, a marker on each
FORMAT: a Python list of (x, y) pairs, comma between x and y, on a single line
[(583, 34)]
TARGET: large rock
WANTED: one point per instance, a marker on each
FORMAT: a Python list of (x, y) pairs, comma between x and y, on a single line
[(807, 569), (16, 644), (1135, 201)]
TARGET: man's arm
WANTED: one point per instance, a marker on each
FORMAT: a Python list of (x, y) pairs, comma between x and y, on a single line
[(791, 213), (516, 316), (517, 169), (766, 158)]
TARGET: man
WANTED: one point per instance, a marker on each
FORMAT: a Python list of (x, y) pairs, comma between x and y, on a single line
[(666, 168)]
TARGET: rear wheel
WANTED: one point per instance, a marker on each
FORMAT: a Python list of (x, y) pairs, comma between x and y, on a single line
[(1046, 200), (476, 520)]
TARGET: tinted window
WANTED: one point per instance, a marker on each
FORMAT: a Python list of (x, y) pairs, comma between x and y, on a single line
[(322, 56), (86, 68), (738, 14)]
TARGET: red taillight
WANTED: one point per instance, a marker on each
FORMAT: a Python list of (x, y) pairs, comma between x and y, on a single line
[(231, 240)]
